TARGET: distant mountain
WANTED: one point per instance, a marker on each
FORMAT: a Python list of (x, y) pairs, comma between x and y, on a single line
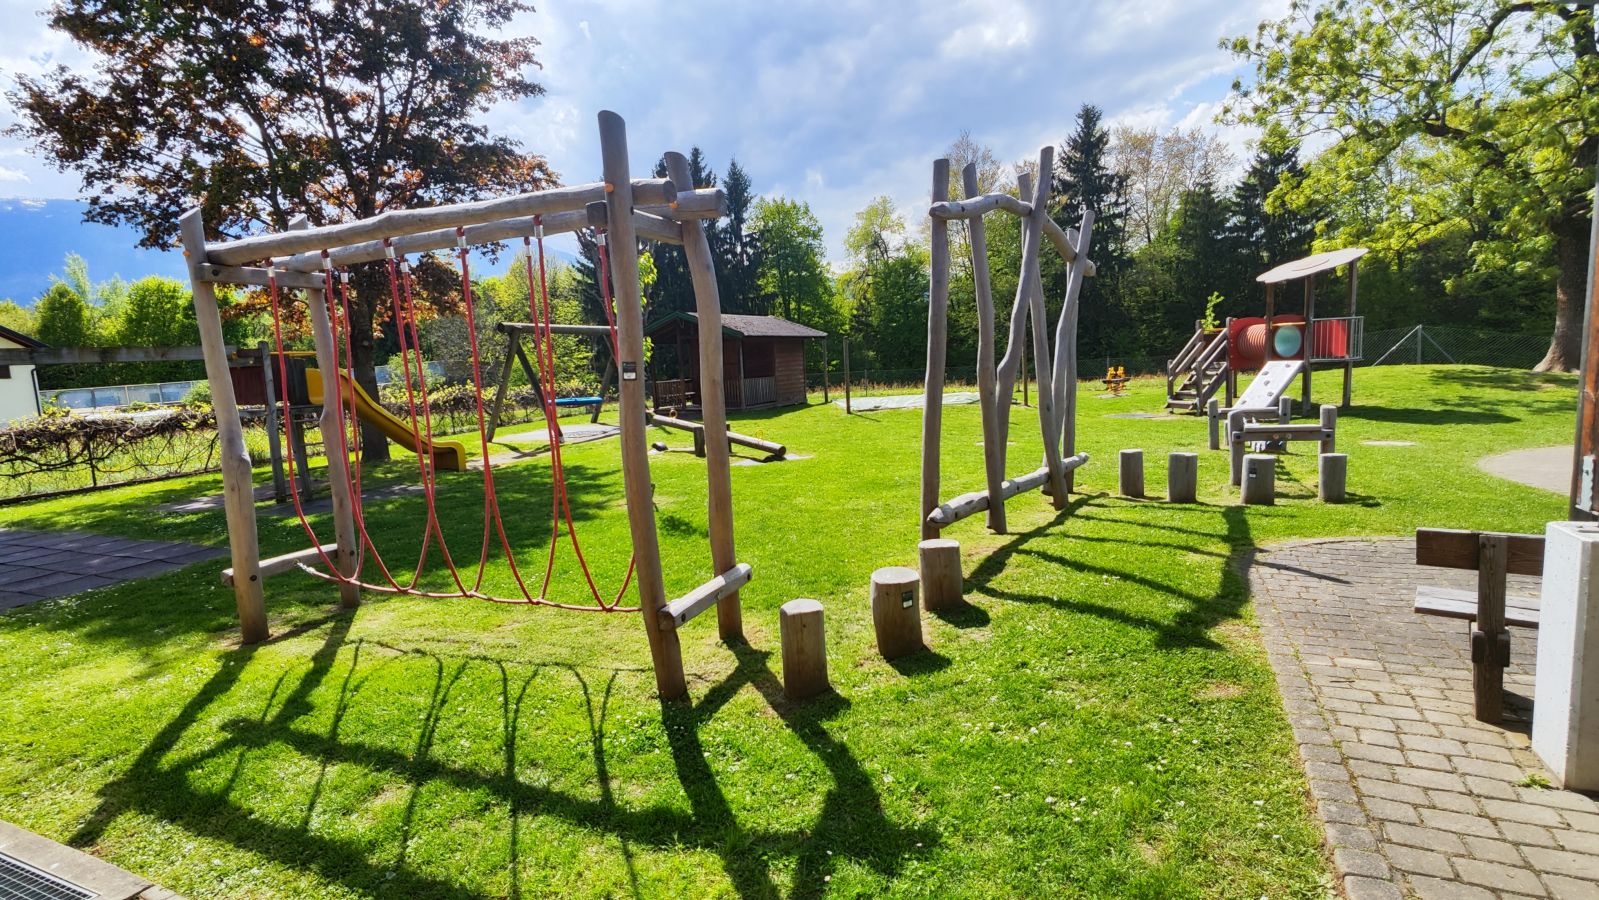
[(37, 235)]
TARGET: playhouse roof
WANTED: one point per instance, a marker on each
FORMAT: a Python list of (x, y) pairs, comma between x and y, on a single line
[(1310, 265), (740, 327)]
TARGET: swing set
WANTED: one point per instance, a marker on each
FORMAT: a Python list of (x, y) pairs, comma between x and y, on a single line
[(315, 261)]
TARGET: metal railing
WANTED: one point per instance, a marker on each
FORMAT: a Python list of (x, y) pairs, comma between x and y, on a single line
[(1338, 339)]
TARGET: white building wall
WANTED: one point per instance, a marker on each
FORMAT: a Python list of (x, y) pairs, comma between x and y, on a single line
[(19, 399)]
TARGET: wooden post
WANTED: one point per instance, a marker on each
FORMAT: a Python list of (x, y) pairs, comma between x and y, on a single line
[(825, 358), (1063, 387), (896, 615), (302, 458), (804, 642), (1260, 479), (993, 438), (1332, 475), (1031, 287), (1024, 380), (940, 563), (238, 495), (1285, 409), (513, 341), (1329, 425), (937, 326), (280, 483), (606, 380), (713, 405), (1213, 420), (1307, 347), (1130, 474), (332, 425), (1182, 477), (1235, 446), (1490, 642), (847, 410), (665, 650)]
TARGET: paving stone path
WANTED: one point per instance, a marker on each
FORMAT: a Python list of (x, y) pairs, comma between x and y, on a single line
[(1418, 798), (38, 565)]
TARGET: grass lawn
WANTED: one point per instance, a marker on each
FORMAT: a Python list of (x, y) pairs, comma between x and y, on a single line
[(1101, 722)]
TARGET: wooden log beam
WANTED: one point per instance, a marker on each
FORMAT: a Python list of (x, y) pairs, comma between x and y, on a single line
[(398, 223), (973, 207), (678, 613), (1032, 284), (706, 203), (960, 507), (713, 403), (1453, 549), (733, 437), (1064, 384), (277, 565), (657, 228), (347, 544), (261, 277), (937, 346), (982, 287), (666, 653), (238, 493), (61, 356), (1066, 245)]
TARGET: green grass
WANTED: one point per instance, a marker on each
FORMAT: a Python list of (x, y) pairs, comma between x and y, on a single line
[(1101, 721)]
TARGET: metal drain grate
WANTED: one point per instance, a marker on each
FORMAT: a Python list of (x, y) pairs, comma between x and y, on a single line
[(20, 881)]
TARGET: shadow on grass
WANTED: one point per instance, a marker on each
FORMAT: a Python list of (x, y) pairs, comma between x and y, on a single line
[(1190, 628), (161, 782)]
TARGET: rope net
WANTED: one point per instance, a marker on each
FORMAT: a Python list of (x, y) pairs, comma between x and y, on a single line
[(420, 423)]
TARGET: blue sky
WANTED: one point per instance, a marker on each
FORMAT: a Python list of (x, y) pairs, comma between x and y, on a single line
[(831, 103)]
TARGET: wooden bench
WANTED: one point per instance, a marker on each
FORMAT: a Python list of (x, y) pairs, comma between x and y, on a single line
[(1493, 556)]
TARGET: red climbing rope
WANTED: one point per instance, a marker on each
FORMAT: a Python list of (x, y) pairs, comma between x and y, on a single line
[(402, 302)]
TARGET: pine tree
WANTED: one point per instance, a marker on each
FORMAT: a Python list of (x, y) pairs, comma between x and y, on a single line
[(1084, 180), (1258, 238), (737, 249)]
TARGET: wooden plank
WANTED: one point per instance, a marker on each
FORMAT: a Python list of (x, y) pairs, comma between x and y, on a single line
[(1453, 603), (398, 223), (1452, 549), (937, 346), (1269, 431), (665, 651), (713, 404), (1490, 643), (238, 494), (556, 328), (277, 565), (680, 611)]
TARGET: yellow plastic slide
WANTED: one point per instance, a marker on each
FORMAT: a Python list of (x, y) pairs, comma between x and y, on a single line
[(447, 455)]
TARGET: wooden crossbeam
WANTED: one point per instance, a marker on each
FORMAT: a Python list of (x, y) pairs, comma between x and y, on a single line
[(691, 604), (277, 565)]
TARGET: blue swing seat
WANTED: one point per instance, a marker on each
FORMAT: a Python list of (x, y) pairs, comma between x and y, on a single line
[(579, 401)]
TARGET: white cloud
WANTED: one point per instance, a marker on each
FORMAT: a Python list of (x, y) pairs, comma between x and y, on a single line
[(9, 174), (828, 102)]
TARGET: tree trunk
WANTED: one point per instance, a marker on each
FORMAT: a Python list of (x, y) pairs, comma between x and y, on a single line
[(1571, 287), (369, 291)]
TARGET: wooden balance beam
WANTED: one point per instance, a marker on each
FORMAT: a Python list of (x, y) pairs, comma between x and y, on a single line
[(774, 451), (957, 508)]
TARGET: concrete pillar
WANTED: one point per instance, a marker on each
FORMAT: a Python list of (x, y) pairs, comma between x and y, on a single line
[(1565, 712)]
